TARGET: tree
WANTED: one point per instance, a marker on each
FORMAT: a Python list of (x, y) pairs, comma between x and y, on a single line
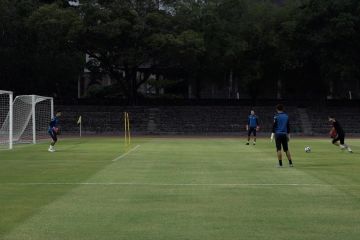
[(37, 53), (55, 31), (328, 37), (261, 48), (133, 37), (15, 43)]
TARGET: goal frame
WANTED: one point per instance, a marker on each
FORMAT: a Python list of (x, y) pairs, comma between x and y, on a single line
[(10, 114), (33, 111)]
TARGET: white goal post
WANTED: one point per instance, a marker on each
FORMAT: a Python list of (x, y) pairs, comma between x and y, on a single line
[(6, 119), (28, 119), (32, 115)]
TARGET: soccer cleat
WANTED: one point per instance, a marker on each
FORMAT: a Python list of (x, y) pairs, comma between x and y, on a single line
[(247, 143), (51, 149), (279, 166), (291, 165), (349, 150), (254, 143), (342, 147)]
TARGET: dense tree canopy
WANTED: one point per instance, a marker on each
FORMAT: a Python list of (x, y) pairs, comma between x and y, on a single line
[(258, 48)]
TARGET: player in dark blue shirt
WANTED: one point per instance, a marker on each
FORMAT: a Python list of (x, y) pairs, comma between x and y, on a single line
[(252, 126), (281, 130), (340, 134), (53, 130)]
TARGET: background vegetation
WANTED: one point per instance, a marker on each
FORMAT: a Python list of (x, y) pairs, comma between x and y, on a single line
[(277, 49)]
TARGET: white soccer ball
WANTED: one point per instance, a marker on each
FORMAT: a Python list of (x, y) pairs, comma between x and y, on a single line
[(307, 149)]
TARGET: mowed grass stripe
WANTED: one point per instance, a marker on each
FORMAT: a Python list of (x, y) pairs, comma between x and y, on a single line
[(75, 160), (187, 184), (170, 212)]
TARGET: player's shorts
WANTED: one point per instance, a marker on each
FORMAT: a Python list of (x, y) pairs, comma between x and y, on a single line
[(252, 130), (339, 137), (281, 140), (53, 135)]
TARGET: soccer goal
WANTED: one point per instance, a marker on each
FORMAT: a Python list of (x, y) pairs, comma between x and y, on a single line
[(31, 118), (24, 120), (6, 119)]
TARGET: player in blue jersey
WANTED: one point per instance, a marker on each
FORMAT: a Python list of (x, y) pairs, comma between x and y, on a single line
[(281, 131), (54, 130), (252, 126)]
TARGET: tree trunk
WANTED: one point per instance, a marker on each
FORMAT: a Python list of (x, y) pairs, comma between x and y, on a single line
[(230, 84), (198, 87), (279, 89), (130, 82)]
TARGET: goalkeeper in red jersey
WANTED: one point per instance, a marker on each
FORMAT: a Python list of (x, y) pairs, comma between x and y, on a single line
[(337, 133)]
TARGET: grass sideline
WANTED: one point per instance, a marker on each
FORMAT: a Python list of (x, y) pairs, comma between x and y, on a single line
[(179, 188)]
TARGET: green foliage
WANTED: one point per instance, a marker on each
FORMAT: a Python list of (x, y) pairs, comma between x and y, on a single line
[(261, 44), (39, 45), (55, 28)]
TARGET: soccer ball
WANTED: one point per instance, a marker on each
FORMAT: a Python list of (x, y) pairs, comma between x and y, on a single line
[(307, 149)]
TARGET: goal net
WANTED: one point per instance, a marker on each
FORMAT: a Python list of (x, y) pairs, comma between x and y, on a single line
[(6, 98), (24, 120), (32, 115)]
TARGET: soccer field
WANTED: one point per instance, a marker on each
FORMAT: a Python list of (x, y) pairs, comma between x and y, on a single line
[(179, 188)]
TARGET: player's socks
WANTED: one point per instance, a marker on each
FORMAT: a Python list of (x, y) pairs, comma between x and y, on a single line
[(280, 163)]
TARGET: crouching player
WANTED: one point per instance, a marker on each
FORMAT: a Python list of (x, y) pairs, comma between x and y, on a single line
[(338, 134), (281, 130), (54, 131)]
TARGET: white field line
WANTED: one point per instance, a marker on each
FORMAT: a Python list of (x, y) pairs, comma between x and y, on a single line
[(127, 153), (185, 184)]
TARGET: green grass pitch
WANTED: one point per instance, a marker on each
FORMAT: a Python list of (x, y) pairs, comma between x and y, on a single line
[(179, 188)]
